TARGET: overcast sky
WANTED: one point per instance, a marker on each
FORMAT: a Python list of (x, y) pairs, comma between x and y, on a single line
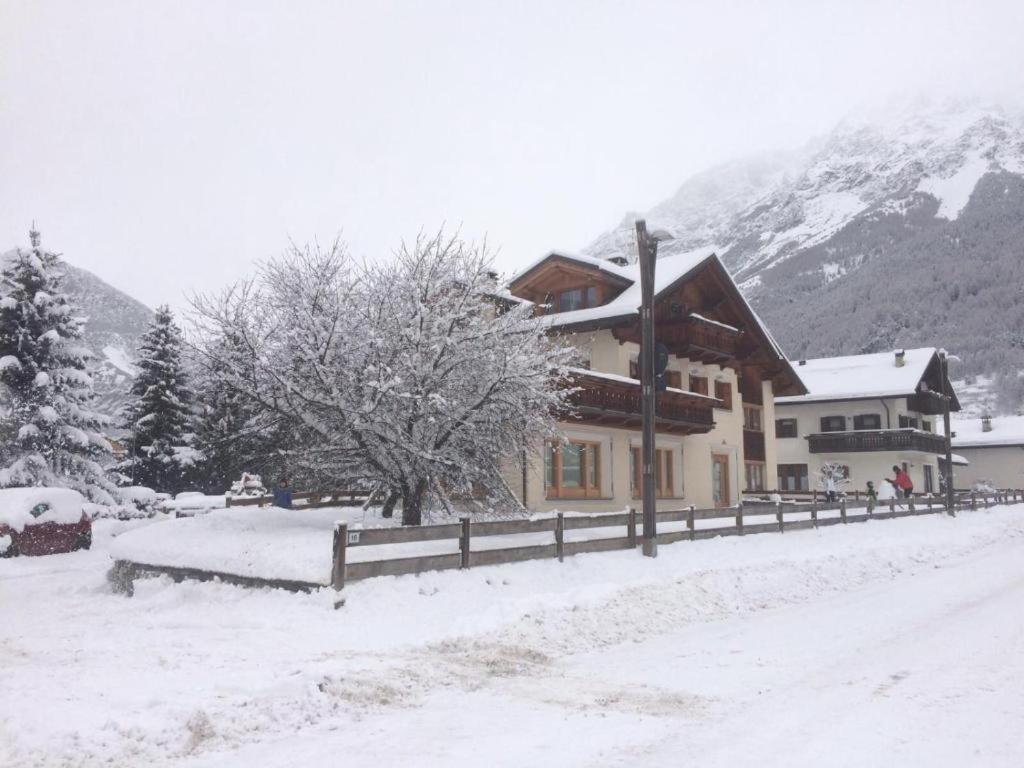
[(166, 146)]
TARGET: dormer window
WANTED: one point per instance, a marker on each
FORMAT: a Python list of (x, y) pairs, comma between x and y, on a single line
[(577, 298)]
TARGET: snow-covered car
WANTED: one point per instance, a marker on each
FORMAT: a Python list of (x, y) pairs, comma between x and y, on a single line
[(42, 521)]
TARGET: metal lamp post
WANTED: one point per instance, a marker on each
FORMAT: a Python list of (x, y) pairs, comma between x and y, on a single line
[(944, 359), (647, 247)]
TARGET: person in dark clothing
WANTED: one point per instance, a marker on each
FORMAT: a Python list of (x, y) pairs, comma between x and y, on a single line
[(283, 495)]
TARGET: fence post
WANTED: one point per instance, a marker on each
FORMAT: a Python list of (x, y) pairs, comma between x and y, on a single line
[(338, 556), (929, 505), (739, 518), (779, 517), (814, 515), (464, 543), (892, 506), (974, 500), (227, 500), (560, 536), (631, 526), (856, 494), (842, 509), (689, 523), (910, 504)]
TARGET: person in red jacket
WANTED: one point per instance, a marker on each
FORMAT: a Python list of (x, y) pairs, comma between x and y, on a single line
[(903, 482)]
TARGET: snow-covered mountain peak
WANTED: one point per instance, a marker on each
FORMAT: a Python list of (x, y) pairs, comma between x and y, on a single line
[(904, 228), (769, 207)]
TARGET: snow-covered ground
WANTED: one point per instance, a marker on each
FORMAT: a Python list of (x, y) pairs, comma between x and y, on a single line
[(892, 642)]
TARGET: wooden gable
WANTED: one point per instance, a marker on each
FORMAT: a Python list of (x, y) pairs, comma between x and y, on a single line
[(557, 274)]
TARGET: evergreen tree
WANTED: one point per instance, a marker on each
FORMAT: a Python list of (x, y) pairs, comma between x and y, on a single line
[(233, 435), (48, 433), (159, 416)]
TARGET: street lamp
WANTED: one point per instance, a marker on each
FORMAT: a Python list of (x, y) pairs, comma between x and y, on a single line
[(647, 255), (944, 360)]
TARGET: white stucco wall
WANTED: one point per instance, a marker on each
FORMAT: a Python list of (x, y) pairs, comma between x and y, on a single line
[(1002, 466), (692, 471), (866, 465)]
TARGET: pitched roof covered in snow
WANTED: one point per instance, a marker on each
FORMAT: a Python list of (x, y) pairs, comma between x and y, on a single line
[(861, 377), (621, 294), (1005, 431)]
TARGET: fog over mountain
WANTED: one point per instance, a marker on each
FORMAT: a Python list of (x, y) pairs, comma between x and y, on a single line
[(892, 231), (114, 322)]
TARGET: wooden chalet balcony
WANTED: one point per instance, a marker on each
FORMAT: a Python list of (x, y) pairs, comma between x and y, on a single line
[(753, 445), (691, 336), (864, 440), (928, 403), (614, 401)]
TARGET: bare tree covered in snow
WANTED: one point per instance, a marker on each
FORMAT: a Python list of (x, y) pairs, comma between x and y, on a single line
[(407, 373)]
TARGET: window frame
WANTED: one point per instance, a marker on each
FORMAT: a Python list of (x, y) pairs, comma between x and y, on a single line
[(858, 421), (590, 464), (802, 478), (759, 410), (664, 472), (779, 432), (763, 471), (835, 419), (723, 392), (699, 384)]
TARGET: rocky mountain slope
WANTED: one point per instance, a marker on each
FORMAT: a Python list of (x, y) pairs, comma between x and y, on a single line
[(906, 230), (114, 322)]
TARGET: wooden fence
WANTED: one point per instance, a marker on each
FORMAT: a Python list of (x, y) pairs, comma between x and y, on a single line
[(620, 533), (593, 533)]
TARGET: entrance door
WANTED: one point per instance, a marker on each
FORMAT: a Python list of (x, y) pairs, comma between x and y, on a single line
[(720, 479)]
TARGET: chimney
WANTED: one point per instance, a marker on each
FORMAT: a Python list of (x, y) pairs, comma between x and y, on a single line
[(901, 358), (986, 423), (802, 362)]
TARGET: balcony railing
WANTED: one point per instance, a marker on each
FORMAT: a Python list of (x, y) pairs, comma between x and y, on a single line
[(618, 403), (928, 403), (876, 440)]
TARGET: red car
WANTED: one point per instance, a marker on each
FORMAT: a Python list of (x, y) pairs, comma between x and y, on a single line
[(42, 521)]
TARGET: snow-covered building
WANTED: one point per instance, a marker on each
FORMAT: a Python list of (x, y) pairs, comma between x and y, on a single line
[(994, 446), (715, 420), (866, 414)]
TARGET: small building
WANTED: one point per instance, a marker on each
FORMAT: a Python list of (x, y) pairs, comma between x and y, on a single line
[(716, 418), (862, 415), (994, 446)]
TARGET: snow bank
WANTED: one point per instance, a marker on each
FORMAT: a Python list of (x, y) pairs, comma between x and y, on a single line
[(192, 503), (268, 542), (63, 505)]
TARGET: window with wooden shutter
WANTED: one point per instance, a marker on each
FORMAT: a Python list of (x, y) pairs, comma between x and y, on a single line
[(723, 391)]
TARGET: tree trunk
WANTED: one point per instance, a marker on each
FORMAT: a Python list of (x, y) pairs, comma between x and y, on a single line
[(412, 503), (389, 504)]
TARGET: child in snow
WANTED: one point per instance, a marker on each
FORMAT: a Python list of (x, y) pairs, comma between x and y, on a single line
[(283, 495), (871, 493)]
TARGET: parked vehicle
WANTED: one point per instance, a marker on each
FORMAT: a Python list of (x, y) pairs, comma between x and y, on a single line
[(42, 521)]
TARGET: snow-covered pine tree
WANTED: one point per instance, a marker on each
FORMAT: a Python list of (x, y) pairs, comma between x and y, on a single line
[(48, 433), (233, 435), (158, 415)]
